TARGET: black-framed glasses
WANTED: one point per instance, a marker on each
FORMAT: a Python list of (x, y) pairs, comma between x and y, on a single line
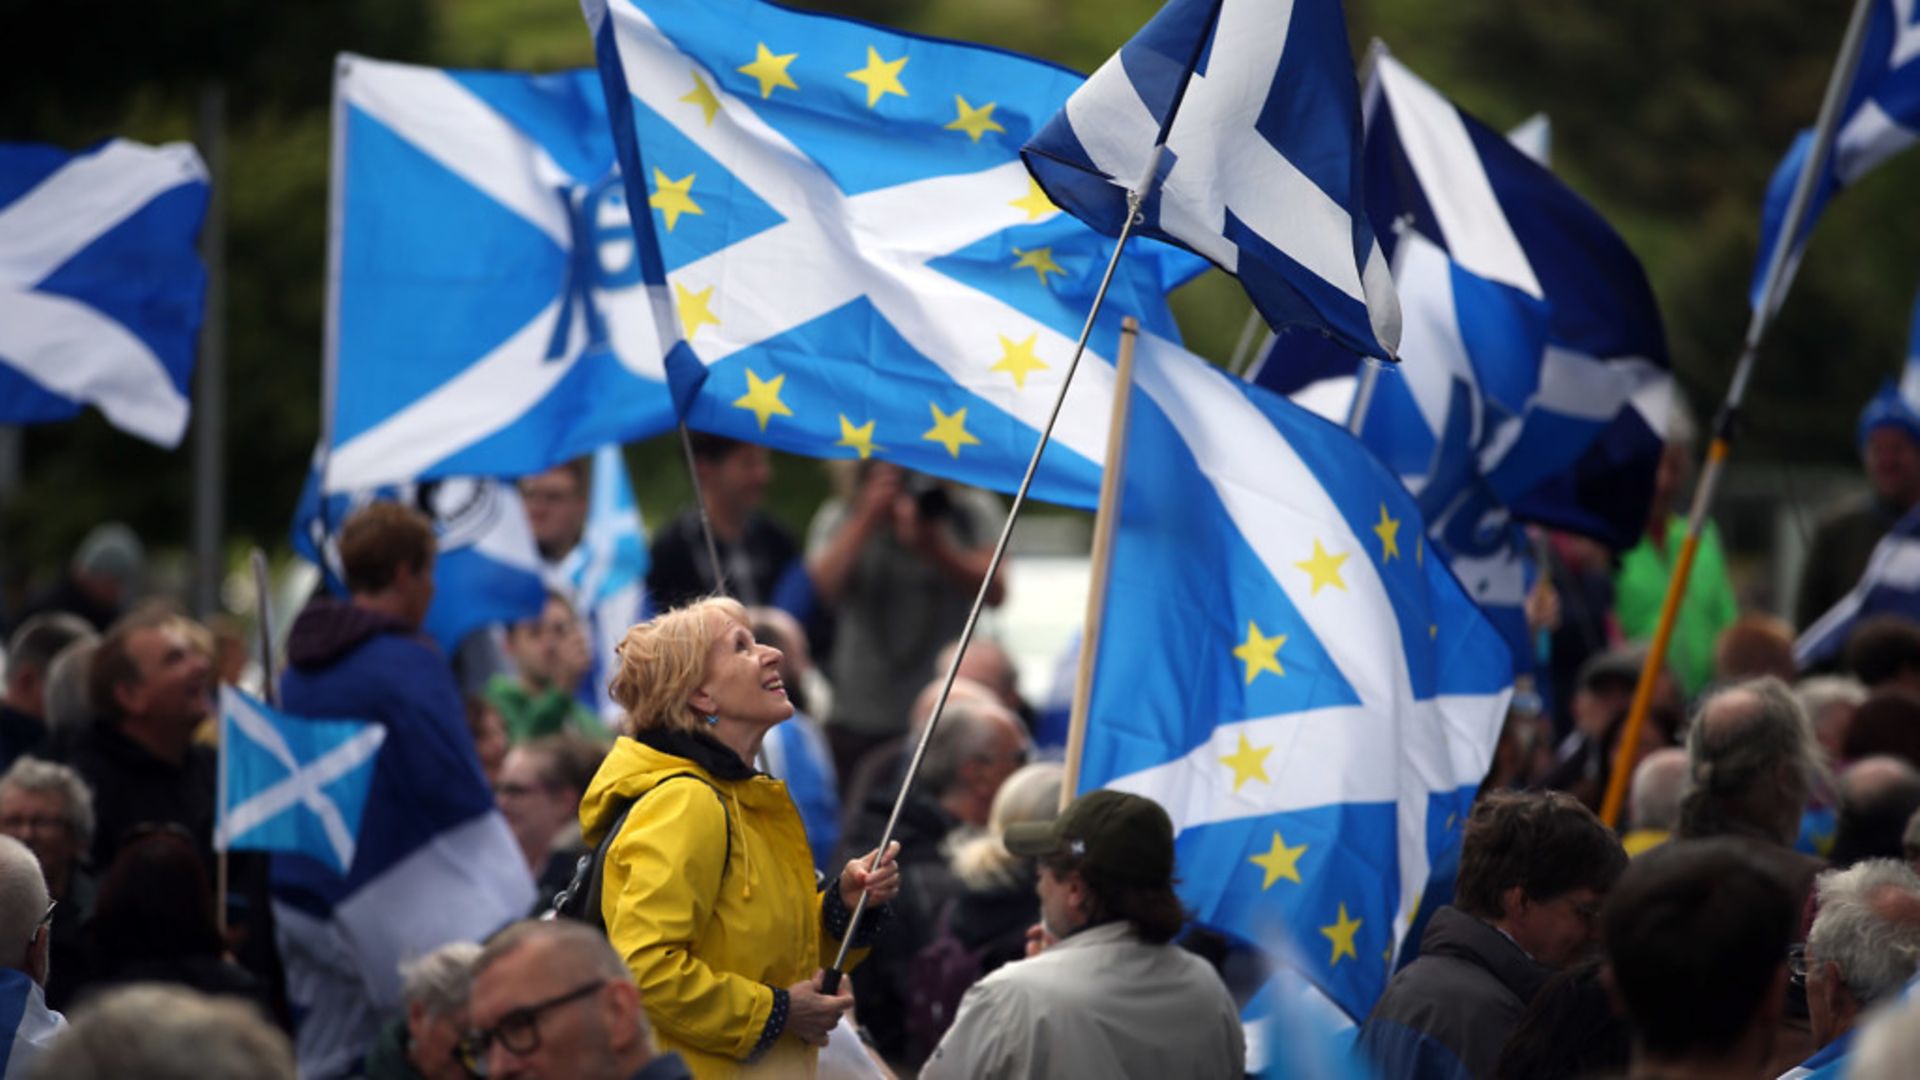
[(1797, 964), (518, 1030)]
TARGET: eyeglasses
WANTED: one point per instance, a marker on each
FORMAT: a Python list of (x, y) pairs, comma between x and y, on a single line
[(518, 1031), (47, 916), (1797, 964)]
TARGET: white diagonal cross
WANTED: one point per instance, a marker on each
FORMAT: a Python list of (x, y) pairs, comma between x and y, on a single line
[(305, 785)]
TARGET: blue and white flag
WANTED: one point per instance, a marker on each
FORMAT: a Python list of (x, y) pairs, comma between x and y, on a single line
[(861, 265), (487, 570), (101, 287), (1245, 113), (1288, 671), (485, 315), (292, 784), (605, 575), (1536, 384), (1880, 118)]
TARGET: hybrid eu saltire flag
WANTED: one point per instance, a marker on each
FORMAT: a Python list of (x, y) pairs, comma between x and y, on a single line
[(1246, 113), (1288, 670), (1536, 385), (101, 288), (861, 265), (605, 575), (291, 784), (487, 570), (486, 313), (1880, 118)]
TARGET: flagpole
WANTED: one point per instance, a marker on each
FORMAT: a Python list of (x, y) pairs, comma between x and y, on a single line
[(830, 981), (706, 523), (1105, 521), (1774, 281)]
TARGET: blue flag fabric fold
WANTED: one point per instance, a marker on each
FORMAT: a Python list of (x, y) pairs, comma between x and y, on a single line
[(1880, 118), (1247, 116), (860, 264), (1288, 670), (101, 287), (488, 313)]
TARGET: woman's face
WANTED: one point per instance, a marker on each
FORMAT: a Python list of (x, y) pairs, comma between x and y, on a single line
[(743, 678)]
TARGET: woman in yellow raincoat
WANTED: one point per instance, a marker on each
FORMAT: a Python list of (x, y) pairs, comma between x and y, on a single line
[(709, 890)]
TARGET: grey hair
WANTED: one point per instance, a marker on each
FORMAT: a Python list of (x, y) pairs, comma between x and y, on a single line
[(1819, 691), (1750, 772), (40, 777), (1032, 793), (586, 949), (36, 641), (1653, 800), (1876, 955), (69, 701), (440, 981), (965, 732), (164, 1032), (23, 899)]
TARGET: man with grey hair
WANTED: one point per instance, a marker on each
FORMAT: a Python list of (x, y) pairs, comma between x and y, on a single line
[(1829, 702), (553, 998), (1653, 799), (24, 957), (978, 745), (161, 1032), (48, 807), (424, 1044), (23, 697), (1863, 948), (1752, 761)]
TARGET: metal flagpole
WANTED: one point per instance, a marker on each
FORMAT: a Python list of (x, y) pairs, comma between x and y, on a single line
[(830, 982), (1105, 521), (1723, 425), (706, 523), (210, 380)]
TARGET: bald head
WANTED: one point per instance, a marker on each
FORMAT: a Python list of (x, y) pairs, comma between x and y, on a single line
[(1659, 781), (988, 664), (1876, 796), (23, 903), (964, 690)]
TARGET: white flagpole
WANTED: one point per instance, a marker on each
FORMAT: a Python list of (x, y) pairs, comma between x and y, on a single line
[(1105, 521)]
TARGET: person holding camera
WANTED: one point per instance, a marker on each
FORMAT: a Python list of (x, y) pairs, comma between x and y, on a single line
[(899, 561)]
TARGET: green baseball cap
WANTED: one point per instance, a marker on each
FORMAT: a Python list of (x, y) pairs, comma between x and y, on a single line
[(1121, 837)]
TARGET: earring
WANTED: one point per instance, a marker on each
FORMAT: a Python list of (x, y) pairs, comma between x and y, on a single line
[(712, 720)]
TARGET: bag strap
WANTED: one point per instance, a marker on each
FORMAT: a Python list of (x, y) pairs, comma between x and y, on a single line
[(594, 868)]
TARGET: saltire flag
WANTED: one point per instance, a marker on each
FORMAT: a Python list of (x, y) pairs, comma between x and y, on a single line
[(1289, 671), (1247, 113), (291, 784), (1891, 583), (486, 315), (605, 575), (487, 569), (861, 265), (1536, 382), (435, 863), (1880, 118), (101, 287), (27, 1026)]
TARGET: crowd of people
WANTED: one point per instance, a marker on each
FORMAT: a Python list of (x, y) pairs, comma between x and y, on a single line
[(697, 791)]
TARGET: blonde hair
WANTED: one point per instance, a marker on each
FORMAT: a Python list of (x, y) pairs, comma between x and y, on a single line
[(1032, 793), (663, 660)]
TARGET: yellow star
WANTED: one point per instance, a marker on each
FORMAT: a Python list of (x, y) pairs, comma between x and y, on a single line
[(857, 438), (694, 312), (673, 198), (771, 70), (703, 96), (763, 398), (1035, 202), (880, 77), (975, 122), (1323, 568), (1040, 260), (1388, 530), (1279, 862), (1258, 652), (1249, 762), (1341, 933), (1433, 631), (1018, 360), (949, 431)]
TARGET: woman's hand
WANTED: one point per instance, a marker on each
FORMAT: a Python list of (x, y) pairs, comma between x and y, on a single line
[(882, 885), (812, 1013)]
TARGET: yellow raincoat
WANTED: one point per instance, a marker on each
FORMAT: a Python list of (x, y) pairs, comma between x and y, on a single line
[(708, 927)]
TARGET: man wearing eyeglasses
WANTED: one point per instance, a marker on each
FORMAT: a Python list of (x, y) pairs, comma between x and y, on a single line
[(26, 918), (1861, 951), (552, 999)]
